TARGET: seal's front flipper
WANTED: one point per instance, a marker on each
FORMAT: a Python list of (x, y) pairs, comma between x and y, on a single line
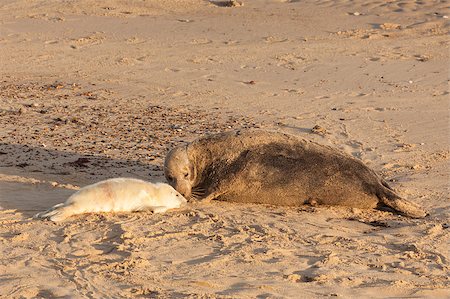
[(215, 195)]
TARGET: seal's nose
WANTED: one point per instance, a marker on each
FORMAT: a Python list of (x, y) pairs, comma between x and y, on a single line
[(185, 194), (181, 199)]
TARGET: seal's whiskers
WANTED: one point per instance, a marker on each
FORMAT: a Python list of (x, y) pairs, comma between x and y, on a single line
[(197, 193)]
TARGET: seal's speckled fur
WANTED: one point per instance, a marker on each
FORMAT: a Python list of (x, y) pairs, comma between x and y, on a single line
[(257, 166)]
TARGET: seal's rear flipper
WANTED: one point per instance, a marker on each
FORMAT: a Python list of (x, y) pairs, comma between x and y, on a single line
[(56, 213), (45, 213), (402, 206)]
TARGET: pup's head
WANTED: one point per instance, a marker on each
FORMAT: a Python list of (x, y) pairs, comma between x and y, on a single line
[(169, 197), (179, 171)]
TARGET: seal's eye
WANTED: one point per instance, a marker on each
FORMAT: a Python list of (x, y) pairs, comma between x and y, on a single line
[(186, 175)]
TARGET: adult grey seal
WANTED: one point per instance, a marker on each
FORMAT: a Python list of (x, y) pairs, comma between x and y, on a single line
[(257, 166)]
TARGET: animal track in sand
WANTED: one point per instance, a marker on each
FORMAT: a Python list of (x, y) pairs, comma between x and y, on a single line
[(290, 61), (274, 39), (95, 38)]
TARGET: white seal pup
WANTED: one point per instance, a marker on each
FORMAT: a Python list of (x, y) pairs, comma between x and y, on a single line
[(256, 166), (117, 195)]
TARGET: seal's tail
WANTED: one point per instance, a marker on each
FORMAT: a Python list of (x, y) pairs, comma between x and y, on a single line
[(402, 206)]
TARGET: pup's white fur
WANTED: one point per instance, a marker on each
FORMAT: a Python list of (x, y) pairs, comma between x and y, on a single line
[(117, 195)]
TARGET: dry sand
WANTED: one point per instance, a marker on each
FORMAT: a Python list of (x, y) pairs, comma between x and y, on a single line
[(98, 89)]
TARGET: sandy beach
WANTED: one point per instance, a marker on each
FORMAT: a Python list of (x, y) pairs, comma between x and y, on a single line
[(92, 90)]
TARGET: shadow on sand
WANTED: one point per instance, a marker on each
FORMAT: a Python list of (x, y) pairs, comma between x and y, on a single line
[(33, 179)]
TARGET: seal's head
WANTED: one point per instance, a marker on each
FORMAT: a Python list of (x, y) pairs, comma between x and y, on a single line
[(179, 171)]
